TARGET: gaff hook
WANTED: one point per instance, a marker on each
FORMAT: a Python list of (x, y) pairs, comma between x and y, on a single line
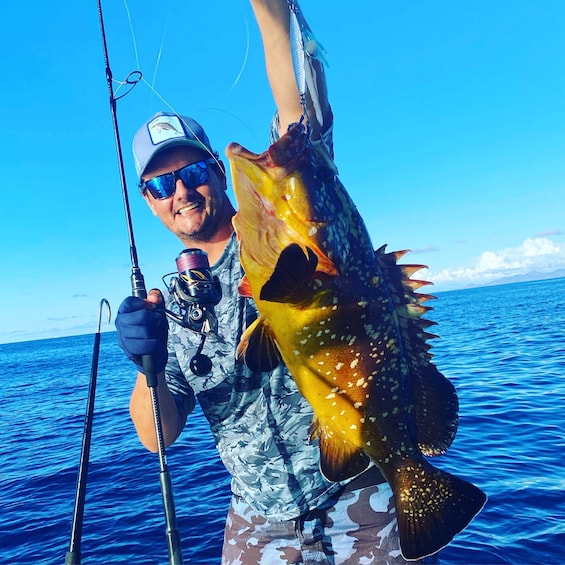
[(73, 556), (102, 303)]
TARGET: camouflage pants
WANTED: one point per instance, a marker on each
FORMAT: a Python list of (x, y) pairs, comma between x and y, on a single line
[(356, 527)]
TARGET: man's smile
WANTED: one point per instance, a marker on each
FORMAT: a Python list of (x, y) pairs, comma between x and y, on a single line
[(188, 208)]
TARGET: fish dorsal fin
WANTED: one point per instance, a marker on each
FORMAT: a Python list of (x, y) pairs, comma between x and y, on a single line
[(290, 281), (257, 347), (339, 459), (436, 399)]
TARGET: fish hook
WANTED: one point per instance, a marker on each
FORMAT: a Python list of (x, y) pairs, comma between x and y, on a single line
[(102, 303)]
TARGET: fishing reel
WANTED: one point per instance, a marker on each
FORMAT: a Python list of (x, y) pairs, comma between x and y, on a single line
[(195, 292)]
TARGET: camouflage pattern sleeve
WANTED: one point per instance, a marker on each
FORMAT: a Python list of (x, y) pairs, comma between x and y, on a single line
[(180, 389)]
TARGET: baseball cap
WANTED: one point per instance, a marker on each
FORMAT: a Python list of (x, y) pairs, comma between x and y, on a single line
[(164, 130)]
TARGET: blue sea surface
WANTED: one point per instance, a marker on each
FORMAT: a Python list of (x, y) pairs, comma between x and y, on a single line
[(503, 347)]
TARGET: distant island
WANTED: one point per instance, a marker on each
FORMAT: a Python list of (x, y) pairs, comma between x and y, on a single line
[(527, 277), (530, 276)]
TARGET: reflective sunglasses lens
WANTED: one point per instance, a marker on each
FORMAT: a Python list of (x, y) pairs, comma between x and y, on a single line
[(194, 175), (162, 186)]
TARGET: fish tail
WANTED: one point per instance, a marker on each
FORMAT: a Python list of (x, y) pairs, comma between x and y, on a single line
[(432, 507)]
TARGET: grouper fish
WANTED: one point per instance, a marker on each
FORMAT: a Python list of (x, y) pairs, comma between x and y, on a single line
[(347, 322)]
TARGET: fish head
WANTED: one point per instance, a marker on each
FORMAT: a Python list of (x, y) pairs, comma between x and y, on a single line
[(283, 198)]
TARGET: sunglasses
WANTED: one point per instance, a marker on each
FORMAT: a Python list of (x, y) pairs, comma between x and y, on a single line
[(192, 176)]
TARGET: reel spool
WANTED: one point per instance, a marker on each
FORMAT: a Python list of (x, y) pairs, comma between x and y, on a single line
[(195, 291)]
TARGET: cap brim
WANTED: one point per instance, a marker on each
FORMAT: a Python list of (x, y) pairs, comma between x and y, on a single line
[(167, 145)]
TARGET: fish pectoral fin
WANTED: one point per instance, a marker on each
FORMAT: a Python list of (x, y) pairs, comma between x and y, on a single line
[(339, 459), (432, 506), (244, 288), (258, 348), (290, 281)]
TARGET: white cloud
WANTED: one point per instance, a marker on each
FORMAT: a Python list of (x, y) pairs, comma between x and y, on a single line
[(534, 254)]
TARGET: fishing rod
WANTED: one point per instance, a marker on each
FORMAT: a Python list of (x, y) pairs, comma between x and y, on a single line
[(138, 290), (73, 555)]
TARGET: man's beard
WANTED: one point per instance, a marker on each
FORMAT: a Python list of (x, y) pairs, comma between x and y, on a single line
[(208, 228)]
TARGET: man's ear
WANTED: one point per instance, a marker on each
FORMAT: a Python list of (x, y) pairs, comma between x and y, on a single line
[(150, 203)]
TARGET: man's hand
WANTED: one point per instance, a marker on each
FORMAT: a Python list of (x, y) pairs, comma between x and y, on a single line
[(142, 329)]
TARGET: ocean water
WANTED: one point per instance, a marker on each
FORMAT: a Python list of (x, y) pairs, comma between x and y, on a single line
[(503, 347)]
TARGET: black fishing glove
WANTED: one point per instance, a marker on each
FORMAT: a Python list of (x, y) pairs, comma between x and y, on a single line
[(142, 331)]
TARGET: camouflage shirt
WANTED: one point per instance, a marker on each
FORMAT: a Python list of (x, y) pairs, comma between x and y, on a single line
[(259, 421)]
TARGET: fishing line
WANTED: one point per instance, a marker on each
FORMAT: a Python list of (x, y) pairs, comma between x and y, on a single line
[(136, 51), (245, 57), (165, 27), (151, 86), (134, 42)]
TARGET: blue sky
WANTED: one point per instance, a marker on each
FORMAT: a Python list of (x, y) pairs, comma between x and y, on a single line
[(449, 134)]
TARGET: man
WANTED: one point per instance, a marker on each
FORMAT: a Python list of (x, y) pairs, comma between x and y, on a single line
[(283, 510)]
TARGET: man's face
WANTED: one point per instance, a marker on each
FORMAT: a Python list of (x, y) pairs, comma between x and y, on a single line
[(192, 214)]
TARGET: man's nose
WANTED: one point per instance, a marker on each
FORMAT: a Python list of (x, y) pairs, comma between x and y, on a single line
[(181, 190)]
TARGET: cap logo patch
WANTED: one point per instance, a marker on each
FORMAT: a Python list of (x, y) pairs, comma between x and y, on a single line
[(163, 128)]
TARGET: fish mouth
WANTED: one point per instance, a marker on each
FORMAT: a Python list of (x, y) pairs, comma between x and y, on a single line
[(264, 187), (289, 186), (273, 209), (254, 209), (252, 180)]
